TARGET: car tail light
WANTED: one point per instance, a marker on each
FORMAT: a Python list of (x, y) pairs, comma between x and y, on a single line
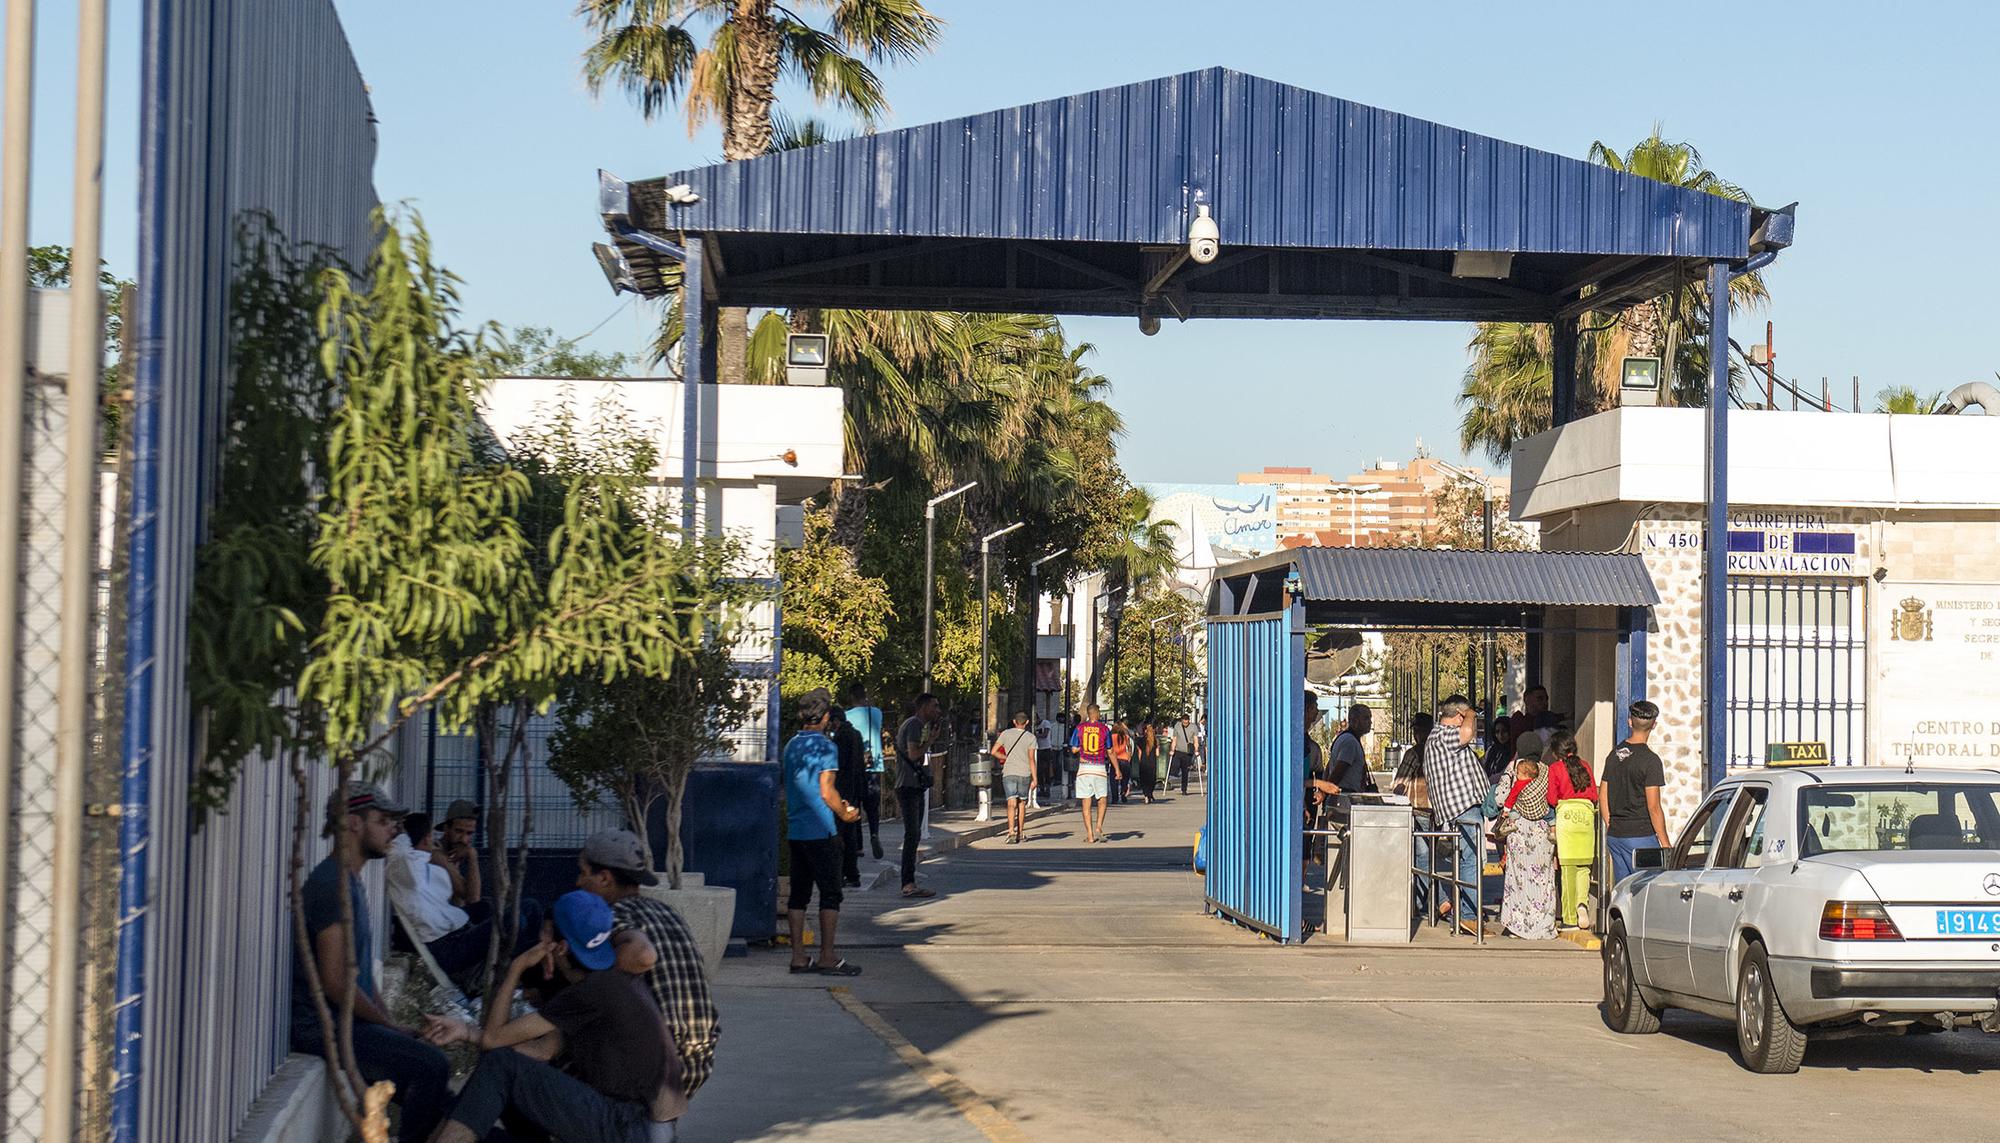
[(1856, 921)]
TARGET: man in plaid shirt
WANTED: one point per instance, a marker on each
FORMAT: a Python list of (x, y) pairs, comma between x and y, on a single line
[(1458, 788), (613, 866)]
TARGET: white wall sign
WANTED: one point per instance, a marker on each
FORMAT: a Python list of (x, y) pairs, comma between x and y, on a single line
[(1771, 543), (1937, 649)]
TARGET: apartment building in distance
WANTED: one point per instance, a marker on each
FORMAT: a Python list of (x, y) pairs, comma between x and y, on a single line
[(1390, 502)]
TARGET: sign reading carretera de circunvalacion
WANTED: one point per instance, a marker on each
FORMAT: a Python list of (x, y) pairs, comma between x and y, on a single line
[(1778, 543)]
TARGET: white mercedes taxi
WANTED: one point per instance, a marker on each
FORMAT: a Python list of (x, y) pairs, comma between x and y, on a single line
[(1817, 902)]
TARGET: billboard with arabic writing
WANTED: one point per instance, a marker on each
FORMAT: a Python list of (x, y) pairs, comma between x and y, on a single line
[(1239, 520)]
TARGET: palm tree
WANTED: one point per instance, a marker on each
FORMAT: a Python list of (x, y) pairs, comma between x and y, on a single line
[(1906, 399), (1507, 389), (651, 49)]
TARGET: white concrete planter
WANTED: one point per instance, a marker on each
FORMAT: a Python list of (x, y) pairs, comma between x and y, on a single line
[(709, 910)]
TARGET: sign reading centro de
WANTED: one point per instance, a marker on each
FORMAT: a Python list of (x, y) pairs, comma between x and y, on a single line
[(1934, 644)]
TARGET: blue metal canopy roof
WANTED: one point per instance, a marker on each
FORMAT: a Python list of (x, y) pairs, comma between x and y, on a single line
[(1405, 586), (1082, 205)]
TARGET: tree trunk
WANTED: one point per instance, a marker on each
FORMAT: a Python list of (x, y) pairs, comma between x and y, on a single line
[(676, 795), (732, 344), (747, 133)]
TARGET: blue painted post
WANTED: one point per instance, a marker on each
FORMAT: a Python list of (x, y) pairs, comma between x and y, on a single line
[(773, 698), (1295, 710), (1631, 668), (1715, 563), (694, 374)]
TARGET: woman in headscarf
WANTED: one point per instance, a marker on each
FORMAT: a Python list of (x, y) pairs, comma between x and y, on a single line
[(1528, 903)]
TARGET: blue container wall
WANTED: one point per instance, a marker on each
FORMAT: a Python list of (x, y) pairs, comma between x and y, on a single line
[(1256, 800), (244, 106)]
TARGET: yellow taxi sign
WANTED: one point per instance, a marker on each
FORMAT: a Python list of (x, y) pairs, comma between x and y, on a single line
[(1796, 754)]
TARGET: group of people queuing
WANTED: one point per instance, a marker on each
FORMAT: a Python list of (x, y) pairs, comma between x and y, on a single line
[(620, 1030), (1540, 804)]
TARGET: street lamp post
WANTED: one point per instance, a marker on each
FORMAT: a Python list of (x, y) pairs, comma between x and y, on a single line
[(1111, 614), (1035, 600), (985, 628), (1355, 492), (930, 543)]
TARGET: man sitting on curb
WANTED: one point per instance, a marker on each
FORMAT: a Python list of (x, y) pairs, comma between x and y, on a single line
[(613, 865), (420, 887), (623, 1077), (384, 1049)]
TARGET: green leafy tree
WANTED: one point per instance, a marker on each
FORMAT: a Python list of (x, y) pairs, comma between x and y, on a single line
[(1155, 679), (834, 617), (1507, 392), (635, 739), (536, 351), (457, 581)]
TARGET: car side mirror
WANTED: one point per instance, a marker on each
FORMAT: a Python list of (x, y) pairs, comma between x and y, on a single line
[(1649, 859)]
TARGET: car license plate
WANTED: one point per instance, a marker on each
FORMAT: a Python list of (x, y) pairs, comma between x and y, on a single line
[(1968, 922)]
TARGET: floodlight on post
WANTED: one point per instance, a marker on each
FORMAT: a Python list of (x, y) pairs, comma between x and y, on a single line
[(930, 544), (1354, 492)]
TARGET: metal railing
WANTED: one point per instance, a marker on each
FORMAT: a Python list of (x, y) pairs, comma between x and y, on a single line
[(1435, 878)]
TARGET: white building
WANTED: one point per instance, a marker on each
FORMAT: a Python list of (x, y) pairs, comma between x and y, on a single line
[(1864, 581)]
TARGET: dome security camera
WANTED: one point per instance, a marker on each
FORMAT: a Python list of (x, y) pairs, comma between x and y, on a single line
[(1204, 239), (1149, 324)]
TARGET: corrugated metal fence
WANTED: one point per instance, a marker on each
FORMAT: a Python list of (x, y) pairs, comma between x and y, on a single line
[(245, 105), (1256, 766)]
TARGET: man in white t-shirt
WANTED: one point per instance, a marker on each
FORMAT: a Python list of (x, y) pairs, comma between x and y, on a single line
[(1020, 768), (420, 887)]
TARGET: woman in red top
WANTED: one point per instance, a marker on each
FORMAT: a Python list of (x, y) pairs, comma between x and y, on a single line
[(1569, 775)]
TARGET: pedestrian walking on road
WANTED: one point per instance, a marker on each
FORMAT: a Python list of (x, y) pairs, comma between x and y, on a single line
[(1633, 777), (1121, 762), (1186, 745), (1019, 763), (1048, 758), (914, 780), (1458, 786), (1091, 743), (1146, 767), (814, 810), (866, 719)]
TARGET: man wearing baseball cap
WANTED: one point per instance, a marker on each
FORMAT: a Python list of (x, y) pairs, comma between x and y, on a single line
[(364, 815), (1633, 778), (622, 1075), (613, 866)]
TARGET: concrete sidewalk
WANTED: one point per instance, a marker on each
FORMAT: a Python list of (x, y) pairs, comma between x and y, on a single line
[(794, 1064)]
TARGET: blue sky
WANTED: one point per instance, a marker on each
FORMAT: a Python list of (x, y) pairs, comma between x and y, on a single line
[(1878, 119)]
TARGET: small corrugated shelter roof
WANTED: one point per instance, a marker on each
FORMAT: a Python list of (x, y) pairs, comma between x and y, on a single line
[(1392, 587), (1082, 205)]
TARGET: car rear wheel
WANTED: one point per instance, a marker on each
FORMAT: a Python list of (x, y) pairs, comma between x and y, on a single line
[(1767, 1039), (1624, 1009)]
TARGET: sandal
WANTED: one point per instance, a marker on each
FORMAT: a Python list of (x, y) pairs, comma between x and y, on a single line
[(917, 891), (841, 969), (806, 967)]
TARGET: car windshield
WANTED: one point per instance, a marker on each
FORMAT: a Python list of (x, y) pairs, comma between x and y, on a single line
[(1903, 816)]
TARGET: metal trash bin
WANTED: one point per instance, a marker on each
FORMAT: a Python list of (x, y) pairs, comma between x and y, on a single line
[(1378, 874)]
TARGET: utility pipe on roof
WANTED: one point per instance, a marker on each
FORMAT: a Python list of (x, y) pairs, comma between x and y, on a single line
[(1981, 393), (16, 149)]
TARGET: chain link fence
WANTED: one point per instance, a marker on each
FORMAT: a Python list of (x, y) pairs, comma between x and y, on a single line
[(32, 810)]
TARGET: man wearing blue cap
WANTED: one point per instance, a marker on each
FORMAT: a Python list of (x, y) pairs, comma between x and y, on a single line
[(620, 1078)]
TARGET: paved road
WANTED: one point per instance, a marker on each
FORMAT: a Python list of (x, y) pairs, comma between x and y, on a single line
[(1080, 991), (1083, 994)]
